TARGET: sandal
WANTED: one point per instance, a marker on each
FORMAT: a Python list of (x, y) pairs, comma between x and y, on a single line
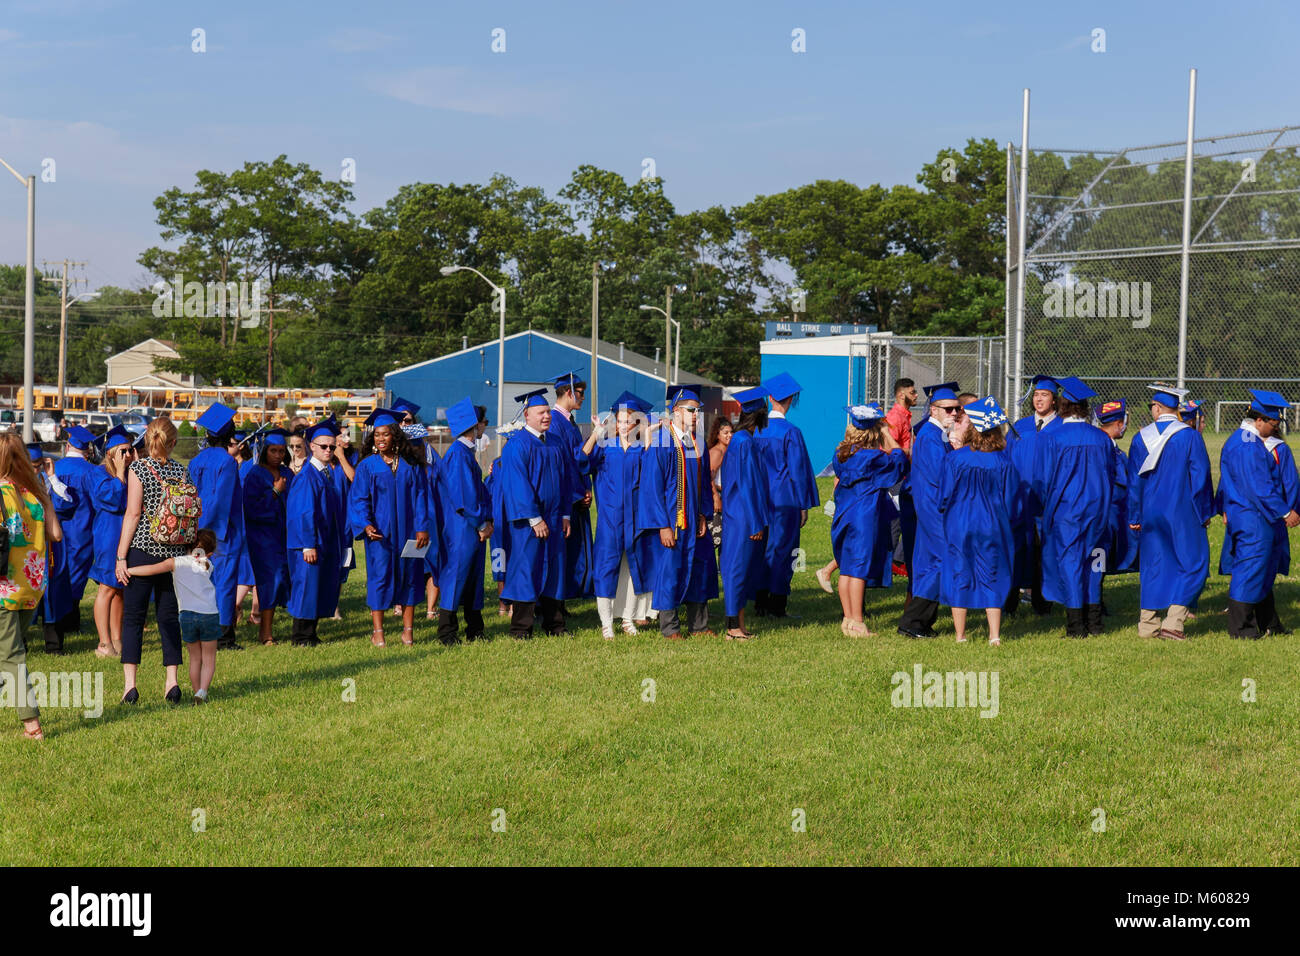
[(995, 642), (961, 640), (103, 651), (742, 636), (380, 632), (28, 735), (607, 632), (255, 619), (629, 628), (411, 631), (431, 615)]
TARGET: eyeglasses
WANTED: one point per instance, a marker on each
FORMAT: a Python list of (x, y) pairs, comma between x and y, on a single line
[(326, 447), (951, 409)]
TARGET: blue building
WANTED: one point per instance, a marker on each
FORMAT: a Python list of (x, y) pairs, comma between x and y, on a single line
[(531, 358)]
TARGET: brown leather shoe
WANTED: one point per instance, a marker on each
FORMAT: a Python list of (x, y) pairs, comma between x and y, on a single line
[(1172, 635), (674, 636)]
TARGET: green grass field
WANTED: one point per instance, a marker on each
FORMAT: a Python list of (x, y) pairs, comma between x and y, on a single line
[(554, 738)]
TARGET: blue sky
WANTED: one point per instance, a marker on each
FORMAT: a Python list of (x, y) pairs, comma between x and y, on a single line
[(711, 91)]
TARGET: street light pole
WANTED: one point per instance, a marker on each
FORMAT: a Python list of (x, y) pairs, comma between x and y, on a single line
[(29, 327), (668, 333), (500, 293), (669, 324)]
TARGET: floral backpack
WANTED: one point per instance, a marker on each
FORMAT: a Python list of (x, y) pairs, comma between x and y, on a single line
[(176, 519)]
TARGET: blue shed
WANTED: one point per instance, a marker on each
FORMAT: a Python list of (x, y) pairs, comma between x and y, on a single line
[(531, 358)]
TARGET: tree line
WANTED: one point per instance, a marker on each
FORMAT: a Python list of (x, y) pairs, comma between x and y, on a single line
[(353, 296)]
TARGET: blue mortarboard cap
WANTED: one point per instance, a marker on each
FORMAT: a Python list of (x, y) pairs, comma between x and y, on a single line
[(864, 415), (752, 399), (1168, 395), (330, 426), (1075, 389), (682, 393), (946, 392), (462, 416), (384, 416), (782, 386), (34, 451), (1270, 404), (1109, 412), (275, 436), (79, 437), (986, 414), (628, 400), (1191, 411), (216, 418), (401, 405), (572, 379), (536, 397), (1045, 383), (117, 435)]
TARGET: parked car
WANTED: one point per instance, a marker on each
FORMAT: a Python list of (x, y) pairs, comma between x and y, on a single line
[(99, 422), (44, 427)]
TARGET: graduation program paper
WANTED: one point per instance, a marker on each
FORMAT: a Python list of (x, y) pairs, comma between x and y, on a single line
[(411, 551)]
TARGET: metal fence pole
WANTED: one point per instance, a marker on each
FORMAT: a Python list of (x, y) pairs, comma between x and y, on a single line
[(1187, 232), (1006, 286), (1020, 251)]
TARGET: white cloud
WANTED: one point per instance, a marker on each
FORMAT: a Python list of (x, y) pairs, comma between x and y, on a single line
[(458, 90), (7, 35)]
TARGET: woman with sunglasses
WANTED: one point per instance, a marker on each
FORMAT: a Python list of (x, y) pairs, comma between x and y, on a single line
[(108, 496)]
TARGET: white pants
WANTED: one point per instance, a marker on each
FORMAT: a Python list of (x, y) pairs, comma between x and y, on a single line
[(630, 605)]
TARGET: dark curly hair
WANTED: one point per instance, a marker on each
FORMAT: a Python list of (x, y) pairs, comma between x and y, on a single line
[(401, 444)]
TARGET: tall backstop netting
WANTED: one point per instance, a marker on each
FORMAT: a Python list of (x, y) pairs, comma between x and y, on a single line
[(1104, 265)]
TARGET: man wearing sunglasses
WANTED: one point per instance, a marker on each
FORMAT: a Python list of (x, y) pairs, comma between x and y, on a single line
[(316, 534), (933, 442)]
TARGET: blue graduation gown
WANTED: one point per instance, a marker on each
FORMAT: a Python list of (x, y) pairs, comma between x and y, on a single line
[(534, 484), (1172, 502), (860, 530), (742, 560), (343, 485), (1074, 481), (108, 499), (680, 573), (1021, 443), (465, 507), (315, 518), (397, 506), (981, 496), (215, 475), (578, 557), (264, 533), (792, 489), (433, 558), (614, 473), (76, 553), (928, 453), (1287, 474), (1121, 553), (499, 540), (1253, 502), (245, 577)]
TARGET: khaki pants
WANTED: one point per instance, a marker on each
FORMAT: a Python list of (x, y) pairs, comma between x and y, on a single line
[(1150, 624), (13, 661)]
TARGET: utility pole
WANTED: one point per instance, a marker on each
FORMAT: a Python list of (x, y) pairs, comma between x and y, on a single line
[(668, 336), (63, 322), (595, 332)]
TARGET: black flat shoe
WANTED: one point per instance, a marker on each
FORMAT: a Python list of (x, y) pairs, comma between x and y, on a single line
[(132, 696), (173, 696)]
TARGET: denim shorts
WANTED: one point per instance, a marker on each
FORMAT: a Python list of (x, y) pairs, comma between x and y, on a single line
[(200, 627)]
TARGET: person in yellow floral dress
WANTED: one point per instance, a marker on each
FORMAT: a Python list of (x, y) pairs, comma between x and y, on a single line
[(29, 518)]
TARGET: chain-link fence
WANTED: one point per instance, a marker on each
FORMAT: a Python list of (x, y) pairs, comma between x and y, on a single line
[(1104, 268), (879, 360)]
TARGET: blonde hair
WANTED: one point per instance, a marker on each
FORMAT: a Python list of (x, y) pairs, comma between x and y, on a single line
[(858, 439), (17, 468), (160, 438)]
